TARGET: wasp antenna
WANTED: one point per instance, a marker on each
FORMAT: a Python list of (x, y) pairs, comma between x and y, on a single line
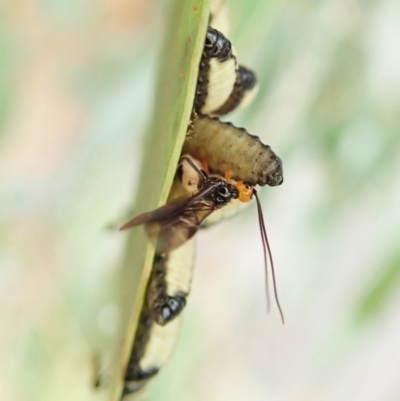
[(265, 260), (260, 219), (266, 248)]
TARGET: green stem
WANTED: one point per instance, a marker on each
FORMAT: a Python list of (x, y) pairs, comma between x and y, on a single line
[(183, 43)]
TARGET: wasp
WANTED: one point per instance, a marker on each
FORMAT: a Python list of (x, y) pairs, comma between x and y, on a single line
[(174, 223)]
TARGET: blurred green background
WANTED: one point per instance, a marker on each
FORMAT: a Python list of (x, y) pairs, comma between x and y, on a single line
[(76, 90)]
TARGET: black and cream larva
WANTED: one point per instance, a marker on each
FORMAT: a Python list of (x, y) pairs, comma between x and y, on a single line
[(153, 342), (244, 91), (222, 85)]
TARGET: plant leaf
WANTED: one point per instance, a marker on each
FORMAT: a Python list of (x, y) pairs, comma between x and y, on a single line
[(177, 77)]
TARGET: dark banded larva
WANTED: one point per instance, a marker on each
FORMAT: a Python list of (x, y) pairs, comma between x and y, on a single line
[(222, 85), (244, 91), (217, 73), (153, 343), (170, 284), (225, 147)]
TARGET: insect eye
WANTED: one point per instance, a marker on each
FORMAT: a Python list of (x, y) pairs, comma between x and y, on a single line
[(222, 195), (224, 192)]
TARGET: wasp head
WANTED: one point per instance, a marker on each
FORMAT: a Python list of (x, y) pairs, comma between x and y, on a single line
[(223, 192)]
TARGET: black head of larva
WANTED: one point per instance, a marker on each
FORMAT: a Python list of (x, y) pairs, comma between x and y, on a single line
[(217, 45), (275, 178), (248, 78), (272, 177)]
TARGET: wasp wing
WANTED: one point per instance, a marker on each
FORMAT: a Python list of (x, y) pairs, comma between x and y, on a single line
[(163, 213), (173, 224), (170, 234)]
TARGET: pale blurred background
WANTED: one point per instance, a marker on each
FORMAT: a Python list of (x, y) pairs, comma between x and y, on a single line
[(76, 87)]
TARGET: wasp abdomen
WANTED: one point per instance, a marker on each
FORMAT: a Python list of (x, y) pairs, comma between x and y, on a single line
[(225, 147)]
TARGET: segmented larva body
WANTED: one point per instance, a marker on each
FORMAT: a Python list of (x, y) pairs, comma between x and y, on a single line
[(217, 73), (222, 85), (153, 342), (224, 147), (169, 284), (243, 92)]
